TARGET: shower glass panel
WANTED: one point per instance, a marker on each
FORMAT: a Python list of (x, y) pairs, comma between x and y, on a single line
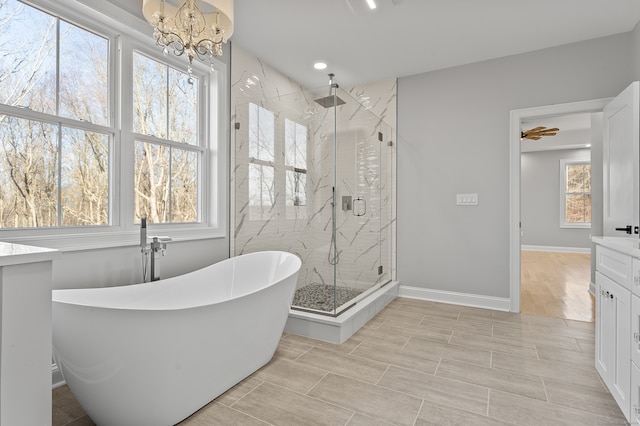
[(312, 175)]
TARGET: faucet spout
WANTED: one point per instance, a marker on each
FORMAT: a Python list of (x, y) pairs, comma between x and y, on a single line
[(157, 247)]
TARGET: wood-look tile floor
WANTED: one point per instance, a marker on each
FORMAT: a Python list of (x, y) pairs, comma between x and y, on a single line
[(556, 285), (419, 363)]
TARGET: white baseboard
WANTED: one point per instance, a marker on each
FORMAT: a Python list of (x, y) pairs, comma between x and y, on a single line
[(556, 249), (464, 299), (592, 288), (56, 377)]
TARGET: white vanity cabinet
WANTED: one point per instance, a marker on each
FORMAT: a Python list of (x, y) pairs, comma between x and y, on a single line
[(614, 277), (635, 343), (635, 357)]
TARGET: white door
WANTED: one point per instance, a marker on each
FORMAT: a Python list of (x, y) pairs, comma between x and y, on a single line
[(621, 157)]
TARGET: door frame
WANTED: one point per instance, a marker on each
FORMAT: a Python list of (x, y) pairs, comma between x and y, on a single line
[(516, 117)]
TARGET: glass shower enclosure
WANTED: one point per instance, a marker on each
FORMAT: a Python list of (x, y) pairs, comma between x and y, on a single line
[(312, 174)]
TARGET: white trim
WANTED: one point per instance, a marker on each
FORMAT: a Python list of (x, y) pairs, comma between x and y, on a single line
[(56, 377), (556, 249), (100, 240), (464, 299), (592, 288), (516, 117)]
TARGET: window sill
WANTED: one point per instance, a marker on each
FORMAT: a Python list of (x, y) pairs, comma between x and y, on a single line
[(108, 239), (575, 225)]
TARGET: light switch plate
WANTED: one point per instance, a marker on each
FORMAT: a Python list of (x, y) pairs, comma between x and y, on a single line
[(467, 199)]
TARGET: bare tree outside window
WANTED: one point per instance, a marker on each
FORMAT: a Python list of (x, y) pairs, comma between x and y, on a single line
[(52, 175), (577, 192), (166, 165), (295, 138), (262, 195)]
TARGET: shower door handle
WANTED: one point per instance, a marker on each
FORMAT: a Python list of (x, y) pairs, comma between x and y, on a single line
[(358, 212)]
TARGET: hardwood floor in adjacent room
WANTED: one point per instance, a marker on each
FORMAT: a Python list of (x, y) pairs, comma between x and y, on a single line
[(556, 285)]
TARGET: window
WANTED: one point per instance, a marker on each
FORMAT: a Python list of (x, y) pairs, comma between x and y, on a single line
[(165, 105), (575, 203), (55, 140), (99, 129), (261, 162), (295, 137)]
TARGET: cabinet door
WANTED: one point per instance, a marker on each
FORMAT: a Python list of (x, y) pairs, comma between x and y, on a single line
[(635, 329), (635, 394), (613, 335), (605, 339), (620, 162), (635, 278)]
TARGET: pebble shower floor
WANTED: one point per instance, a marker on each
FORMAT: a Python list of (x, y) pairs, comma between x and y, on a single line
[(320, 296)]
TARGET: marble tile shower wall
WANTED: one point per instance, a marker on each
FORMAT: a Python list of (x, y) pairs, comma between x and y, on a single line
[(365, 168)]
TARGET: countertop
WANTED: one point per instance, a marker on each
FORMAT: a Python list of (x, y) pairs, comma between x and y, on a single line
[(630, 246), (14, 254)]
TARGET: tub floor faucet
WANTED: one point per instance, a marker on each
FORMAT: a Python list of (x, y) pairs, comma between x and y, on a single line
[(156, 249)]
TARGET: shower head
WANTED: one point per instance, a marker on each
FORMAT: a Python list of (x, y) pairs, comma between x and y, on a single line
[(330, 101)]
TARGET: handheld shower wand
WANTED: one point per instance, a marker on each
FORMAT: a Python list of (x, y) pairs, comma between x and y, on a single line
[(143, 233)]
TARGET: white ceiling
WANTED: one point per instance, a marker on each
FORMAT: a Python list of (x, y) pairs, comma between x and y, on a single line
[(406, 37)]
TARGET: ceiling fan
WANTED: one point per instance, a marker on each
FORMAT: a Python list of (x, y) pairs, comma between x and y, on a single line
[(538, 132)]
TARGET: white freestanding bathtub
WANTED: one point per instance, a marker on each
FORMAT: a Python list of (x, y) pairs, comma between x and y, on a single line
[(154, 353)]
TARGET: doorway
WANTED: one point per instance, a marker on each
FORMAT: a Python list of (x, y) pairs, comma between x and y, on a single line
[(555, 184), (528, 115)]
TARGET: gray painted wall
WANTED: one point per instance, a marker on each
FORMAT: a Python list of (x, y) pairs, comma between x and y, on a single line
[(540, 200), (635, 37), (453, 137)]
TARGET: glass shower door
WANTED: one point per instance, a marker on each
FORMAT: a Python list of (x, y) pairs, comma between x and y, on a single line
[(359, 217)]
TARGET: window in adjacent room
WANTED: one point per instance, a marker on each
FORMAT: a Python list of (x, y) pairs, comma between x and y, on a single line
[(575, 202)]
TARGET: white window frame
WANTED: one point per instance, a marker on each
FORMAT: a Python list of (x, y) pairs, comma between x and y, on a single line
[(563, 194), (126, 33)]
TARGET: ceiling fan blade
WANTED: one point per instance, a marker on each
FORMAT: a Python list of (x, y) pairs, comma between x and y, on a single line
[(538, 132)]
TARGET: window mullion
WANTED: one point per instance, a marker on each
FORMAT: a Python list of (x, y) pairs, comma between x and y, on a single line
[(59, 195), (57, 109)]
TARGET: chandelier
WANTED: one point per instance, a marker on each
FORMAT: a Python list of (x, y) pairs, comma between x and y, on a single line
[(191, 30)]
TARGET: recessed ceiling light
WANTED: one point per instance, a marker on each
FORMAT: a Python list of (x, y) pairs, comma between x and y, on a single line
[(320, 65), (372, 4)]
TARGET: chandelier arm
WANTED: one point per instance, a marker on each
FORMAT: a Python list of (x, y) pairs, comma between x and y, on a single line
[(174, 41)]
